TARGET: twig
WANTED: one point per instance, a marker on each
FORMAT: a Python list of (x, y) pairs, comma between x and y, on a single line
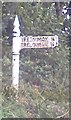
[(63, 115)]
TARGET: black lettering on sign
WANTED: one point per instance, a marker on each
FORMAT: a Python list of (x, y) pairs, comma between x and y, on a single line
[(38, 39), (42, 44), (24, 44), (27, 39), (27, 44), (52, 38), (34, 45), (33, 39), (24, 38), (38, 45)]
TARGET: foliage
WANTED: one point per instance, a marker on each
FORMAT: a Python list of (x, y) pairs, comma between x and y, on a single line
[(44, 73)]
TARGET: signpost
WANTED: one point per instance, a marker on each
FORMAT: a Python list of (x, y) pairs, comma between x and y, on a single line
[(39, 41), (15, 53), (20, 42)]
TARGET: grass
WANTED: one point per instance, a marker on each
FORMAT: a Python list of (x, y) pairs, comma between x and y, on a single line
[(35, 102)]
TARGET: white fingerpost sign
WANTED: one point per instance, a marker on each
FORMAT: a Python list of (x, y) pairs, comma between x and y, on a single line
[(15, 52), (39, 41), (20, 42)]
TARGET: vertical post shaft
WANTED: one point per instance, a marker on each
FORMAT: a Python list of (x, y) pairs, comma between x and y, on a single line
[(15, 53)]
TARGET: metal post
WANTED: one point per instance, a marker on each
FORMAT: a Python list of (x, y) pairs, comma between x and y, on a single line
[(15, 53)]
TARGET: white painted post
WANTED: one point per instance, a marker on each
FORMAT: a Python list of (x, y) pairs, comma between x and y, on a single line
[(15, 52), (32, 42)]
